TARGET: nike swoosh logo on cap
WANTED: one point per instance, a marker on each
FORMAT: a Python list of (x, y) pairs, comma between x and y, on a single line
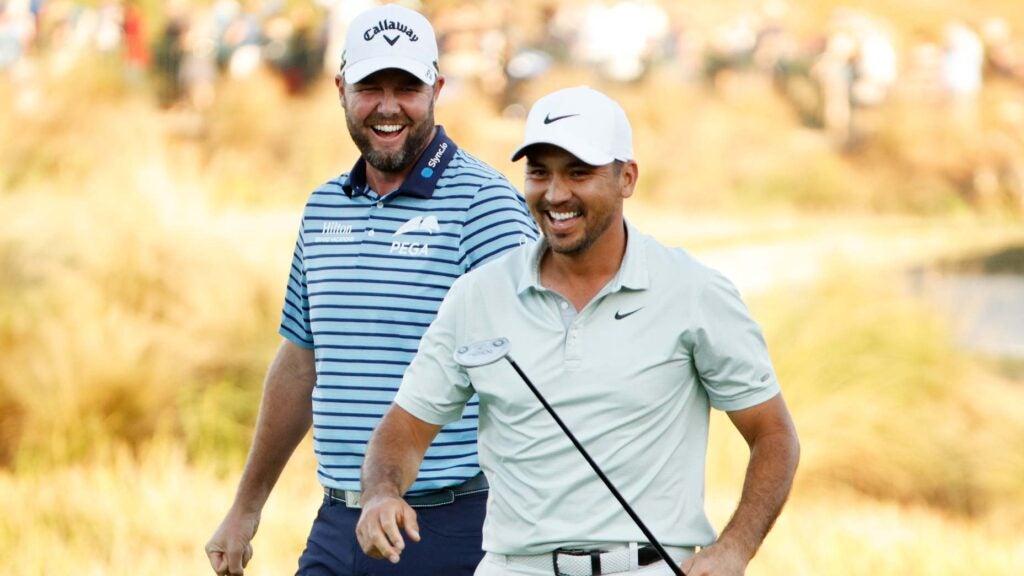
[(620, 315), (548, 119)]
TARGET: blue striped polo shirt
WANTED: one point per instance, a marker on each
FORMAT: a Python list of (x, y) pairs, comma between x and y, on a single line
[(367, 278)]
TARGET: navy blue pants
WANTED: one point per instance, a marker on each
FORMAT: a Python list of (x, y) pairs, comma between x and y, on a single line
[(449, 543)]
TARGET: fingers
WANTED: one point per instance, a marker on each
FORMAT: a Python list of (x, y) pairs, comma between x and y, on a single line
[(412, 525), (712, 562), (388, 539), (216, 558), (380, 529), (230, 548), (239, 555), (385, 537), (232, 562)]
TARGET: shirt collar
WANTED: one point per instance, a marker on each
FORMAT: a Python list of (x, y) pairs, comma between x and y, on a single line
[(632, 274), (423, 177)]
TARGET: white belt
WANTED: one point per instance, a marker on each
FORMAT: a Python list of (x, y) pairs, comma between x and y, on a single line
[(608, 560)]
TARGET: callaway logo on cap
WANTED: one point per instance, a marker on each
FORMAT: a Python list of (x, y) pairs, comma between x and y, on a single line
[(581, 121), (390, 36)]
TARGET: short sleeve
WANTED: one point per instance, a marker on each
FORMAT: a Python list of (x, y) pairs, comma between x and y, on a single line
[(295, 325), (729, 350)]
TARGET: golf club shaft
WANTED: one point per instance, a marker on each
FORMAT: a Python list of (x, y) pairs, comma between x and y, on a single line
[(625, 505)]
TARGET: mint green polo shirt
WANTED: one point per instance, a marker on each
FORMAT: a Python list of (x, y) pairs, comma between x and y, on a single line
[(634, 376)]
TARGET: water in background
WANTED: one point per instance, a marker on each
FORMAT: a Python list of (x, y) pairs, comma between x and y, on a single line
[(983, 297)]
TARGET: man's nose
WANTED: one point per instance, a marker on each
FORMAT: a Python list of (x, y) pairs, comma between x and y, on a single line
[(558, 191), (388, 104)]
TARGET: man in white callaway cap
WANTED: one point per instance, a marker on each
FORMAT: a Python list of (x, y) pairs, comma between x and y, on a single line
[(378, 248), (631, 342)]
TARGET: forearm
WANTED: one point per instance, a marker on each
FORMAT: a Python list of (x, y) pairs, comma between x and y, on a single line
[(394, 453), (769, 477), (284, 419)]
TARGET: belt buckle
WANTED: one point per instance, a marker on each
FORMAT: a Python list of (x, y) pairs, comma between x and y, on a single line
[(353, 499), (583, 567)]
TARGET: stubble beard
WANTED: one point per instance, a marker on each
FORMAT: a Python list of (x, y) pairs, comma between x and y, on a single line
[(590, 236)]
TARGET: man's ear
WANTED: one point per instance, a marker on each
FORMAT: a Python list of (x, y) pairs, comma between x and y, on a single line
[(437, 86), (339, 82), (627, 178)]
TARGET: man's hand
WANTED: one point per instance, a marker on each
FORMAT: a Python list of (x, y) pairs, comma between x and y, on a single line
[(716, 560), (230, 548), (380, 527)]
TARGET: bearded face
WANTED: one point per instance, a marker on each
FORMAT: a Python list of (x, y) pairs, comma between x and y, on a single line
[(390, 116)]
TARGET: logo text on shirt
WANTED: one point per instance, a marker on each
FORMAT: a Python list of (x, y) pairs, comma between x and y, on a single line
[(415, 224), (410, 248), (335, 232)]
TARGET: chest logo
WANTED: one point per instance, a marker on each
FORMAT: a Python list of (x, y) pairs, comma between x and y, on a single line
[(426, 224), (334, 231), (619, 315)]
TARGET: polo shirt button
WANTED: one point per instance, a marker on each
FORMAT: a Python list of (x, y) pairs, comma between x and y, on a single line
[(564, 305), (380, 204), (369, 232)]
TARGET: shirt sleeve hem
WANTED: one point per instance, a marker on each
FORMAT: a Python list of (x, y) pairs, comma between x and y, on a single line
[(287, 335), (759, 396), (422, 412)]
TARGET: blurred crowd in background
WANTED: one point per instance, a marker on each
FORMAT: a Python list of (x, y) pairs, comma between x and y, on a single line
[(186, 49)]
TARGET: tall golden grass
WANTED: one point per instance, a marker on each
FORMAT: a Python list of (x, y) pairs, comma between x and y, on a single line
[(142, 265), (890, 407), (129, 299)]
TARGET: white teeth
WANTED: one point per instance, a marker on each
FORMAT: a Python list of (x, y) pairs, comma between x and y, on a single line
[(388, 128), (558, 216)]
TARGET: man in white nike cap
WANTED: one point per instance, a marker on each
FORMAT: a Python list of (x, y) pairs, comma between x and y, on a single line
[(631, 342), (377, 250)]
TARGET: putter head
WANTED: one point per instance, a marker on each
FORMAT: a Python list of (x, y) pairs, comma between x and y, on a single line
[(482, 353)]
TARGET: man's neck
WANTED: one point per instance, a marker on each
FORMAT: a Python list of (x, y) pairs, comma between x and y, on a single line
[(384, 183), (579, 277)]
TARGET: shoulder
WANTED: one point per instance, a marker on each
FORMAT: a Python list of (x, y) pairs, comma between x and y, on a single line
[(684, 276), (330, 193), (501, 272), (471, 171), (466, 161), (325, 199), (674, 264)]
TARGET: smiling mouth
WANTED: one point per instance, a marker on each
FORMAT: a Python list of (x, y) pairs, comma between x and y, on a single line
[(562, 221), (387, 130), (562, 216)]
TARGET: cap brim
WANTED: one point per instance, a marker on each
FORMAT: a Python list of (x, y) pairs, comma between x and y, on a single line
[(359, 70), (581, 150)]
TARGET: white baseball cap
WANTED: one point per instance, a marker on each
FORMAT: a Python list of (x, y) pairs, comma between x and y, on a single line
[(583, 122), (390, 36)]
